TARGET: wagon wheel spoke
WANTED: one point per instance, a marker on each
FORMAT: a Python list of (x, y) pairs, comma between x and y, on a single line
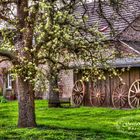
[(134, 94), (93, 96), (74, 92), (134, 102), (98, 100), (102, 98), (117, 100), (119, 96), (80, 85), (103, 95), (125, 95), (138, 103), (77, 99), (75, 89), (122, 100), (138, 86), (135, 88), (132, 91)]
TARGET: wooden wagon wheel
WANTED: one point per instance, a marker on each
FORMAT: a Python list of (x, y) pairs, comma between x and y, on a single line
[(120, 96), (134, 94), (78, 92), (97, 97)]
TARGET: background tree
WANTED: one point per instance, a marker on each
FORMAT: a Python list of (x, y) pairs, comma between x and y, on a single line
[(47, 32)]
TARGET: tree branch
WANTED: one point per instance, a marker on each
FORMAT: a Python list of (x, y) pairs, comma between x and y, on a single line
[(6, 19), (9, 55), (4, 59), (7, 1)]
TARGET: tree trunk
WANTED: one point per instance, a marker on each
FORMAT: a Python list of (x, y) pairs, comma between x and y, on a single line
[(86, 101), (53, 93), (26, 103)]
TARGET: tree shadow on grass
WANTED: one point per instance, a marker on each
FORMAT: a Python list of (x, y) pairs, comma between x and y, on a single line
[(82, 133)]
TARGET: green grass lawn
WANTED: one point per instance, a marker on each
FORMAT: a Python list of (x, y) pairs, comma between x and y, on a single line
[(82, 123)]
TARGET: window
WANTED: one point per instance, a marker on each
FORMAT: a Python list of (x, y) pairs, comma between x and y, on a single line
[(9, 81)]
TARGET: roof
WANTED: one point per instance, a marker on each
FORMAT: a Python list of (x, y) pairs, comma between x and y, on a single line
[(128, 11), (126, 62), (116, 63), (134, 44)]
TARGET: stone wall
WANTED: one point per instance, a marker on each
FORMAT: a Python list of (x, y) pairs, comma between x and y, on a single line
[(66, 83)]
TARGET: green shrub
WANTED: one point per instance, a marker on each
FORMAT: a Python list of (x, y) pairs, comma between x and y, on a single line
[(0, 92), (3, 100)]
